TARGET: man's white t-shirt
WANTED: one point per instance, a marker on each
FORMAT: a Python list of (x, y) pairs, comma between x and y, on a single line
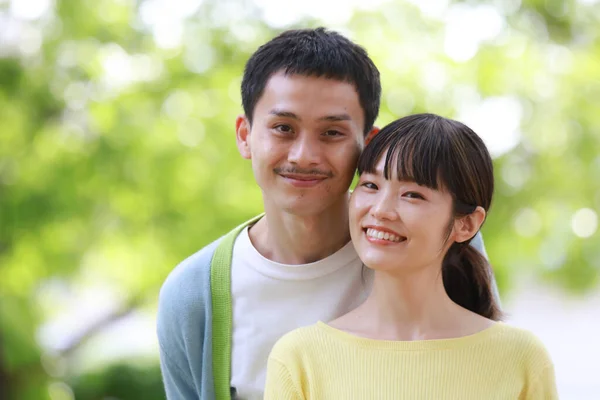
[(271, 299)]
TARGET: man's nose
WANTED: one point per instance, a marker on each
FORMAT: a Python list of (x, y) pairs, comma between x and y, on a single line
[(305, 151)]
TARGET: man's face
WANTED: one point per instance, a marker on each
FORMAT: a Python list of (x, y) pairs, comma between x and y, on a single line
[(304, 142)]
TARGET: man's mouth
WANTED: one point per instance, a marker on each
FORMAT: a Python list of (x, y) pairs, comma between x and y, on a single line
[(303, 180), (304, 177)]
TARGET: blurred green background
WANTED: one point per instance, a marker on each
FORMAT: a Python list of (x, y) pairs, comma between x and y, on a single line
[(117, 155)]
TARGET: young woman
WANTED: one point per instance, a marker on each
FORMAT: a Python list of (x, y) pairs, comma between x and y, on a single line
[(429, 328)]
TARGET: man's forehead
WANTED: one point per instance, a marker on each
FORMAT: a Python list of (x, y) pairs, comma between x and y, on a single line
[(290, 85), (330, 117)]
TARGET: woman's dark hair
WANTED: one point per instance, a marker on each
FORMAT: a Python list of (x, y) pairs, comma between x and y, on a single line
[(434, 151)]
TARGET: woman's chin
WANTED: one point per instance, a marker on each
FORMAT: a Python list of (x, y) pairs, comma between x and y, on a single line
[(379, 263)]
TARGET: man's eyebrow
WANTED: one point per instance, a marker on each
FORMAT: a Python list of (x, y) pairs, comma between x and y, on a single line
[(329, 118), (336, 118), (285, 114)]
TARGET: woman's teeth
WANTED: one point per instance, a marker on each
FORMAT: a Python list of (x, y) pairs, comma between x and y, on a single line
[(376, 234)]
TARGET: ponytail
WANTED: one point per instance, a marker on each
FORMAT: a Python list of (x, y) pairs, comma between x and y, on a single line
[(467, 279)]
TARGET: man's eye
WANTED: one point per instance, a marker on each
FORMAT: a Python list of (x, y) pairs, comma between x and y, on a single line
[(284, 128), (414, 195), (333, 133), (369, 185)]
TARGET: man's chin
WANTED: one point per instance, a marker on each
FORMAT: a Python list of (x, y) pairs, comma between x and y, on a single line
[(305, 212), (305, 206)]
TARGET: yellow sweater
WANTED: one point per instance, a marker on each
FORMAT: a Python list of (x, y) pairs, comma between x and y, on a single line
[(322, 363)]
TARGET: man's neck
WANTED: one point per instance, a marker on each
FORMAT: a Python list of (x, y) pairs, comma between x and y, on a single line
[(291, 239)]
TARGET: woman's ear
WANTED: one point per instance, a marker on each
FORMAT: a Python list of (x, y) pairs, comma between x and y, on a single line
[(466, 227)]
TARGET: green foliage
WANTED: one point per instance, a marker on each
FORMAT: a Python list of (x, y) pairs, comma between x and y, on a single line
[(120, 381), (117, 156)]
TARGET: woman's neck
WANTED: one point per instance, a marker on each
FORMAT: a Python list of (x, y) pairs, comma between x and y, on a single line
[(410, 307)]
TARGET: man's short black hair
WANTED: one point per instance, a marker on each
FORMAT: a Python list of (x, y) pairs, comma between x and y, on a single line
[(313, 52)]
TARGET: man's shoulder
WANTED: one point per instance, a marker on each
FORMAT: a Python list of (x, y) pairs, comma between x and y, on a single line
[(187, 287), (193, 269), (477, 243)]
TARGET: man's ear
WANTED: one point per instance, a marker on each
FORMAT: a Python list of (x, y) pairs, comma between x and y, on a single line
[(242, 136), (466, 227), (374, 131)]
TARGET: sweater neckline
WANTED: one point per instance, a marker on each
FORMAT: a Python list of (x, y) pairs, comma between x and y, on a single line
[(412, 345)]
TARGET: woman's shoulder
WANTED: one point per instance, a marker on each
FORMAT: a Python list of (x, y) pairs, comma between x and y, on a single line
[(522, 342), (518, 336), (298, 342)]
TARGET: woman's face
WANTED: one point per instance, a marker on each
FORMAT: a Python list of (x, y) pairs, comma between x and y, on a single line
[(399, 226)]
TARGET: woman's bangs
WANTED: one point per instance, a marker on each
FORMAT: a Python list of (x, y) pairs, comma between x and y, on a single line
[(414, 153)]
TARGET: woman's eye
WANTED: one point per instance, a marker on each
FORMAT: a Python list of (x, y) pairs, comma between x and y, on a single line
[(414, 195), (369, 185)]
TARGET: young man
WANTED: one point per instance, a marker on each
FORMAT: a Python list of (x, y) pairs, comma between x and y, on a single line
[(310, 99)]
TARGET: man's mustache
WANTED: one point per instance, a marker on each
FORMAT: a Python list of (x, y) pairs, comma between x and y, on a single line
[(302, 171)]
